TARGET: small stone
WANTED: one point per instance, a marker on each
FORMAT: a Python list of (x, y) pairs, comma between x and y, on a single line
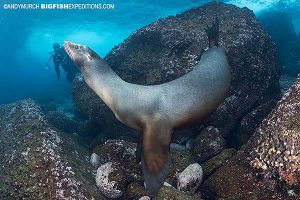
[(111, 180), (95, 160), (167, 184), (190, 179), (291, 193), (189, 143), (177, 146), (180, 160), (145, 198)]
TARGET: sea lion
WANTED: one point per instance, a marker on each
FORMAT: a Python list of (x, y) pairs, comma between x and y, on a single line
[(157, 110)]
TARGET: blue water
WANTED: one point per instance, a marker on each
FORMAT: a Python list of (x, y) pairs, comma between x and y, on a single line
[(27, 36)]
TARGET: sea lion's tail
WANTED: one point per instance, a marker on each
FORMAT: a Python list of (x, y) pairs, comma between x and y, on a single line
[(212, 33)]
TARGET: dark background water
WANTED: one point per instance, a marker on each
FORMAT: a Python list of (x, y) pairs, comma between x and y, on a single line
[(27, 36)]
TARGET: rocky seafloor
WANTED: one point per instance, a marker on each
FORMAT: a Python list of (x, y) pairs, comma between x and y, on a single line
[(247, 149)]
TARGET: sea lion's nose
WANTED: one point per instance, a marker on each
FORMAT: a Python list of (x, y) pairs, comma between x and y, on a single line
[(71, 45), (67, 43)]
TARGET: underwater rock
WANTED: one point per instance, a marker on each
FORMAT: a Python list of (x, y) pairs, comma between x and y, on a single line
[(91, 106), (62, 122), (111, 180), (181, 159), (190, 179), (135, 191), (47, 106), (39, 162), (276, 145), (171, 47), (95, 160), (90, 130), (286, 82), (236, 180), (100, 139), (268, 165), (145, 198), (190, 143), (170, 193), (122, 153), (228, 115), (119, 151), (208, 143), (252, 120), (214, 163), (176, 146)]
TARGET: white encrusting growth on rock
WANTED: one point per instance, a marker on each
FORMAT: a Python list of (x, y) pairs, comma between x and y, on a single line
[(106, 186), (277, 144), (95, 160), (190, 179), (35, 144)]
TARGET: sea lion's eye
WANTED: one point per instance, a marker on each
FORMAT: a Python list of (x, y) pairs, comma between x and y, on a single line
[(76, 47)]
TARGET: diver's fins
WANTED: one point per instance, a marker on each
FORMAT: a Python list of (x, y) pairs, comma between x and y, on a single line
[(212, 33), (57, 71), (156, 159)]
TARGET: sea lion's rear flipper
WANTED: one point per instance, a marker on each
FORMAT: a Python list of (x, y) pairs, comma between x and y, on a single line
[(138, 152), (156, 159), (212, 33)]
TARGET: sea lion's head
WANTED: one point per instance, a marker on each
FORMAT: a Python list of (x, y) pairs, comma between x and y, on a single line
[(81, 55)]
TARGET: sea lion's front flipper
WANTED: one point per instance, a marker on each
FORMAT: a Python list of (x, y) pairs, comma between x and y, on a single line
[(156, 159)]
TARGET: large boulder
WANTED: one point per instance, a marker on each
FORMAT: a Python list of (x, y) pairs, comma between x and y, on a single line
[(216, 162), (286, 82), (62, 121), (171, 47), (268, 165), (38, 161), (208, 144), (277, 143), (252, 120), (91, 106)]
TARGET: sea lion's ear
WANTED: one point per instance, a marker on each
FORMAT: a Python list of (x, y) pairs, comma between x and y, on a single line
[(156, 159)]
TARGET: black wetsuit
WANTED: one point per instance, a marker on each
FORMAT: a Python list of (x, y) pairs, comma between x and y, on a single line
[(60, 58)]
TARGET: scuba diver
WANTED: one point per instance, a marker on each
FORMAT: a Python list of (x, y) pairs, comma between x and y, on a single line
[(60, 58)]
